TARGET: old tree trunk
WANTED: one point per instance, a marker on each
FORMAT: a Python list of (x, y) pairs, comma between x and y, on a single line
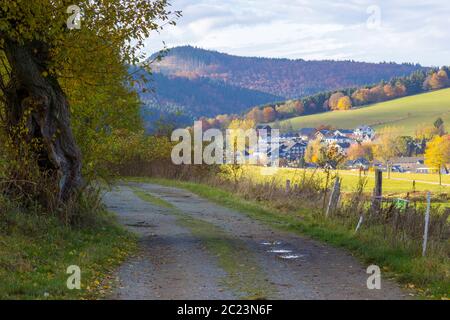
[(35, 95)]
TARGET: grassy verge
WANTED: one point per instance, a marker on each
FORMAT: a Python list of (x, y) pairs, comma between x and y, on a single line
[(243, 275), (429, 276), (35, 252)]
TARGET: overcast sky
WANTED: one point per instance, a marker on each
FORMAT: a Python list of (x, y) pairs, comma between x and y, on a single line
[(374, 31)]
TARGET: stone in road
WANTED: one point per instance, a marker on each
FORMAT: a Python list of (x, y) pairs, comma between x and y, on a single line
[(176, 263)]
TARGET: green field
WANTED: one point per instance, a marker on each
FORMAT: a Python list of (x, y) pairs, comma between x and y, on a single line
[(405, 113), (398, 184)]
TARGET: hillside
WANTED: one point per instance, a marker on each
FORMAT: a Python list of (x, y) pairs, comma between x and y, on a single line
[(202, 96), (280, 77), (405, 113)]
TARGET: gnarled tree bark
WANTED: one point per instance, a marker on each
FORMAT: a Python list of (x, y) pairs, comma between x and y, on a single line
[(32, 87)]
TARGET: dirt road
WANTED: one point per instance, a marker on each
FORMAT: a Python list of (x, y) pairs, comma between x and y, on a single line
[(191, 248)]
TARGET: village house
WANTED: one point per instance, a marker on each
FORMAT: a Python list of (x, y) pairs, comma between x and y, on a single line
[(289, 137), (307, 134), (265, 130), (337, 137), (364, 133), (323, 134), (345, 132), (409, 164), (358, 164), (292, 146), (343, 147), (293, 151)]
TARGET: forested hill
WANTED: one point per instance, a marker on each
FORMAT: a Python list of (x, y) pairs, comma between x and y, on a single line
[(204, 97), (179, 101), (191, 83), (280, 77)]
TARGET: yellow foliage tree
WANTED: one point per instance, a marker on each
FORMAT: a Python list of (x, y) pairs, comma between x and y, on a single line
[(363, 150), (323, 155), (334, 100), (43, 53), (437, 154), (345, 103), (312, 151), (437, 80), (386, 145), (361, 96), (242, 124), (426, 132), (236, 136), (237, 133)]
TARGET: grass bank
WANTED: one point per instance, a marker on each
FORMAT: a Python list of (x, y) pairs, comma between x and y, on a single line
[(36, 250), (430, 276)]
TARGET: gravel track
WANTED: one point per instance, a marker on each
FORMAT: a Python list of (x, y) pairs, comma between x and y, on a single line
[(176, 264)]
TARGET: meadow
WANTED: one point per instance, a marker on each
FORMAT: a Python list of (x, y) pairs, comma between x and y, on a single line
[(406, 114), (424, 182)]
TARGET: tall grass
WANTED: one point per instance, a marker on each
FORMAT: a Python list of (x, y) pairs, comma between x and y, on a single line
[(38, 243)]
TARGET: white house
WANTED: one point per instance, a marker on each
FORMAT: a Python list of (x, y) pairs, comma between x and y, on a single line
[(307, 134), (364, 132), (338, 138), (345, 132)]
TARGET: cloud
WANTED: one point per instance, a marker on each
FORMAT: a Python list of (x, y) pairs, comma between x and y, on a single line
[(408, 31)]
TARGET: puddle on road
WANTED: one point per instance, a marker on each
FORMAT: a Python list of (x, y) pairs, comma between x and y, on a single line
[(274, 243), (280, 251), (291, 256)]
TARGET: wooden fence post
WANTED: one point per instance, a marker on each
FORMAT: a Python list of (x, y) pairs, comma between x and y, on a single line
[(335, 196), (288, 186), (427, 223), (267, 190), (378, 191)]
